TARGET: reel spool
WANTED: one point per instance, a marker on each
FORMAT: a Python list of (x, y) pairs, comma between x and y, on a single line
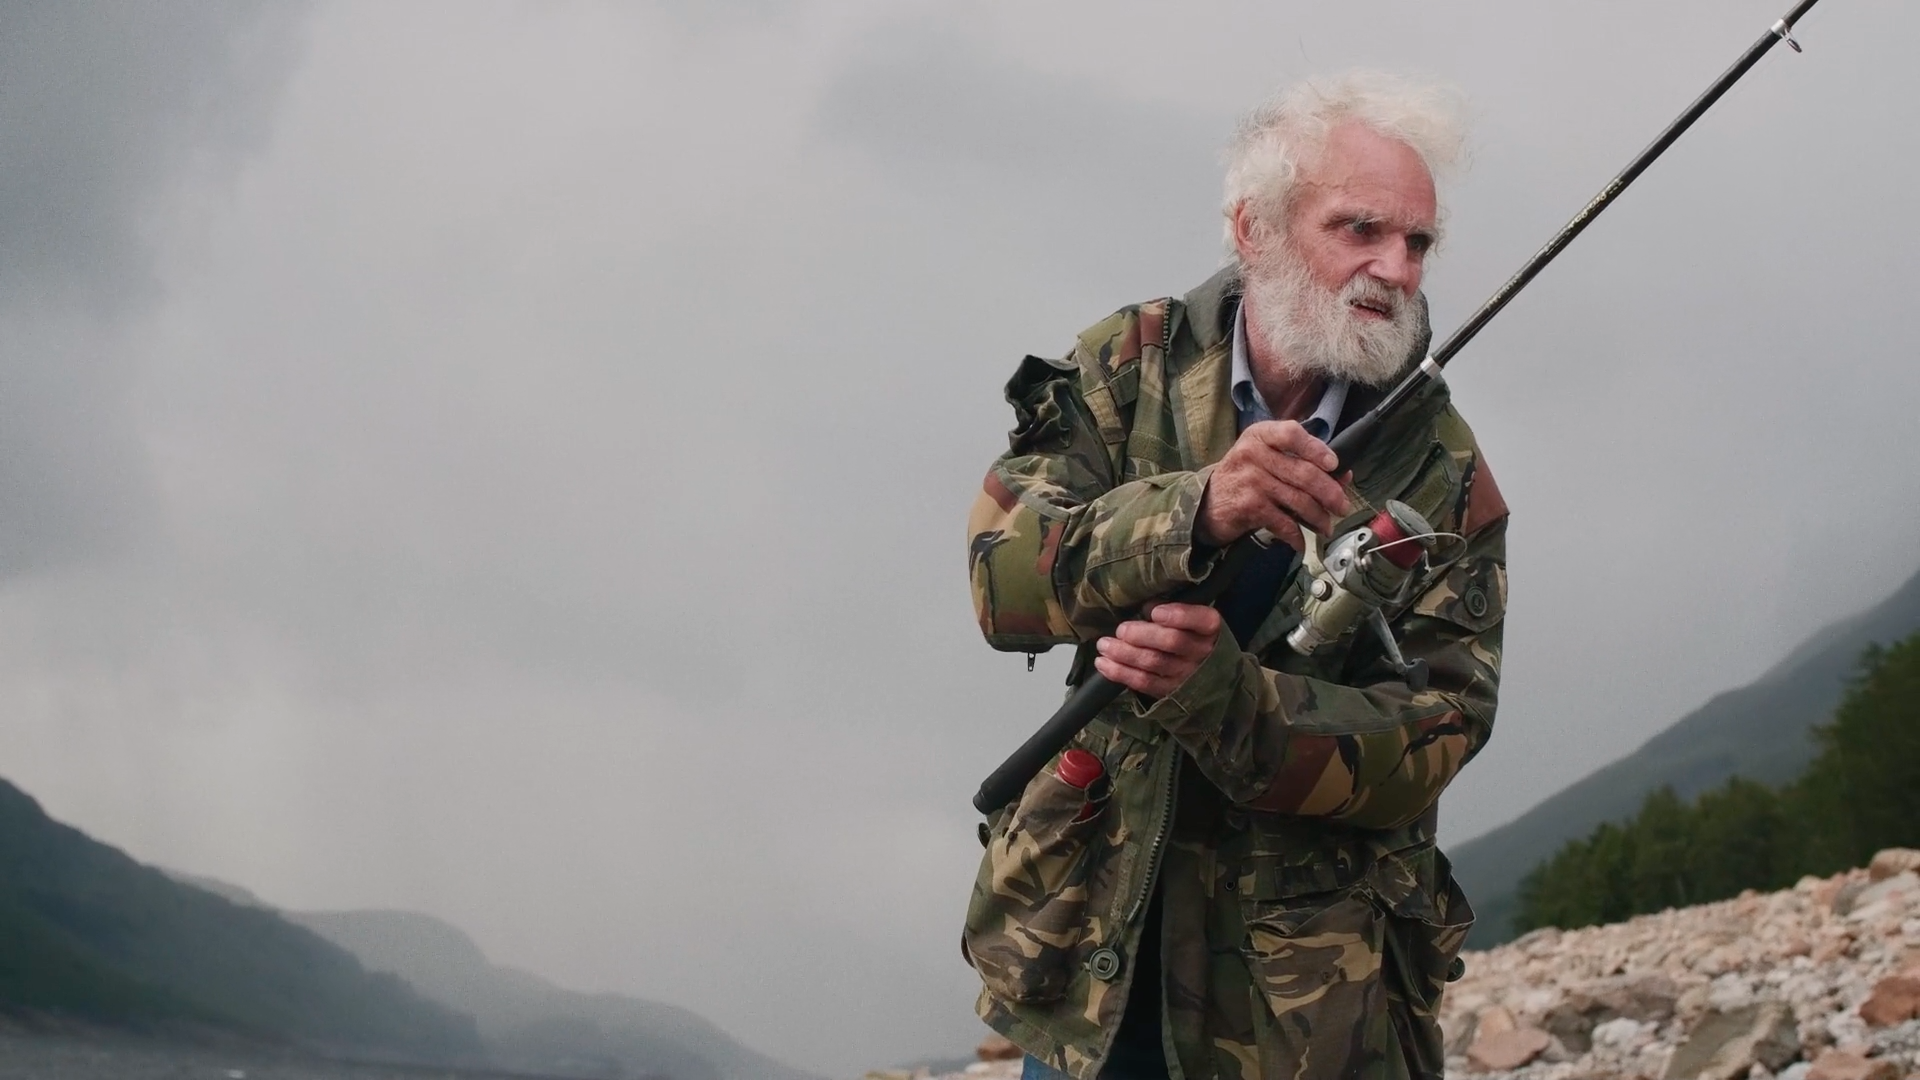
[(1371, 568)]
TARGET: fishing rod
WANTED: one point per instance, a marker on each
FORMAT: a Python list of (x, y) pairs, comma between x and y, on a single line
[(1357, 598)]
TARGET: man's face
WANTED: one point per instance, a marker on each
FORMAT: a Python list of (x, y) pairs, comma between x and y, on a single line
[(1332, 292), (1366, 207)]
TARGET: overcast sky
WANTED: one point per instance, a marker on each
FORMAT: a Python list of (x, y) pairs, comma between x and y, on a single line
[(509, 460)]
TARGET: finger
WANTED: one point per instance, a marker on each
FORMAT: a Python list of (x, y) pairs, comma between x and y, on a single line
[(1164, 639), (1196, 618), (1283, 527), (1316, 483), (1141, 658), (1290, 502), (1240, 493), (1264, 478), (1288, 437), (1140, 682), (1285, 502), (1322, 486), (1156, 662), (1137, 681)]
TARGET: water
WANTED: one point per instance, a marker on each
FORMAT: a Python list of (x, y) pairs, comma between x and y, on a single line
[(64, 1057)]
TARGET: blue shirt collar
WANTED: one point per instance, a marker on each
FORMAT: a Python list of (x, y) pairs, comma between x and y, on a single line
[(1251, 408)]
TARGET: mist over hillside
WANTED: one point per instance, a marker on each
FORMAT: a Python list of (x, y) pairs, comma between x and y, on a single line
[(89, 933), (530, 1024), (526, 1022)]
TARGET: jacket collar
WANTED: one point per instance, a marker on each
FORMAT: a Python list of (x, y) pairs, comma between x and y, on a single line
[(1209, 308)]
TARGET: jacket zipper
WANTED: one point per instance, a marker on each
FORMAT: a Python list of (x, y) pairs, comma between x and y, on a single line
[(1173, 771), (1146, 889), (1168, 789), (1159, 836)]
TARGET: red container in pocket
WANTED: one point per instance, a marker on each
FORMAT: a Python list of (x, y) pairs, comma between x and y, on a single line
[(1081, 769)]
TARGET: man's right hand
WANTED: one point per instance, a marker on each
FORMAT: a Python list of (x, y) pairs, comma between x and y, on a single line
[(1275, 478)]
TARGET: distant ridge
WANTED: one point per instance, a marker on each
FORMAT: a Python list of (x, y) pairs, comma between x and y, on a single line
[(530, 1024), (89, 934), (1757, 731)]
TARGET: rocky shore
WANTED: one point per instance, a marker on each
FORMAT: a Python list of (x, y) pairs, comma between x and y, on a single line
[(1817, 982)]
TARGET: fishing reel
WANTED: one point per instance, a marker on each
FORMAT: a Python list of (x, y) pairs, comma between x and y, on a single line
[(1363, 572)]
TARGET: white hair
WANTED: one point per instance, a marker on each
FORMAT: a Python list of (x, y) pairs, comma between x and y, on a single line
[(1278, 140)]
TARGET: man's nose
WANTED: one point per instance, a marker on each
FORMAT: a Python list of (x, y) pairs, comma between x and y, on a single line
[(1396, 266)]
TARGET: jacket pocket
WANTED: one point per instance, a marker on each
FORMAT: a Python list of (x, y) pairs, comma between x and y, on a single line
[(1314, 960), (1429, 918), (1027, 917), (1349, 955)]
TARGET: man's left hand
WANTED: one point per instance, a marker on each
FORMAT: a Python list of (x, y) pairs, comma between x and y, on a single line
[(1154, 655)]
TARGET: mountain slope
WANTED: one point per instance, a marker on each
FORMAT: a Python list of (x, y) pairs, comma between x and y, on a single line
[(87, 932), (531, 1024), (1757, 731)]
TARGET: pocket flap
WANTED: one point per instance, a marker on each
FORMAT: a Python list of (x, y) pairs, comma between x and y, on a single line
[(1472, 593), (1275, 877), (1418, 884), (1404, 883)]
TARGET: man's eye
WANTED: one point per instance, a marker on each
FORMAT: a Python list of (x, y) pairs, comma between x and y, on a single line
[(1361, 227), (1419, 243)]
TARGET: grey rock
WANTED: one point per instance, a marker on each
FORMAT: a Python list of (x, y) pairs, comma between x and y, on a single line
[(1727, 1045), (1891, 861), (1898, 890), (1643, 996), (1849, 893)]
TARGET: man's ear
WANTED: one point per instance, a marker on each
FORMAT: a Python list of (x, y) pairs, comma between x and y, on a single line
[(1245, 244)]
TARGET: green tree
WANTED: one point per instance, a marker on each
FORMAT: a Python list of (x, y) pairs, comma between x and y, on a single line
[(1742, 839), (1864, 786), (1860, 794), (1662, 855)]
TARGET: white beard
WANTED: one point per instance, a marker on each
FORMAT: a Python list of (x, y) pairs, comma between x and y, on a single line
[(1316, 330)]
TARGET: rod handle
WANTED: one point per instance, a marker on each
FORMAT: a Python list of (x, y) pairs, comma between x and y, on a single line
[(1006, 783), (1093, 694), (1347, 443)]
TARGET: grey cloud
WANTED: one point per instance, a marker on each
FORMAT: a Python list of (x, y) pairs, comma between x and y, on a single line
[(1102, 178), (933, 96), (100, 108), (101, 105)]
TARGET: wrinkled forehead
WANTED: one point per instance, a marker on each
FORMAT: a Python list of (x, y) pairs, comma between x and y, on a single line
[(1360, 170)]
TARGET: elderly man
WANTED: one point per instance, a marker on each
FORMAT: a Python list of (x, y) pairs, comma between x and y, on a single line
[(1241, 881)]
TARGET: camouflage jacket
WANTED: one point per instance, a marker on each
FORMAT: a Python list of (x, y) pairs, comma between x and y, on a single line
[(1282, 804)]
